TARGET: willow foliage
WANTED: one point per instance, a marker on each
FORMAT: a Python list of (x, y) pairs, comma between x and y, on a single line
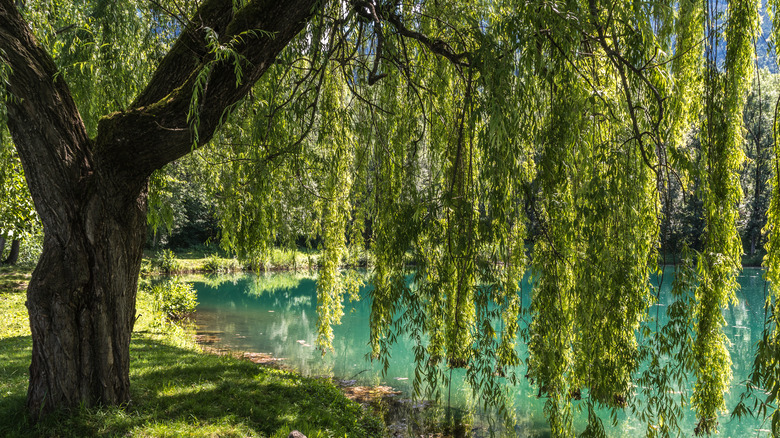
[(764, 384), (720, 262), (464, 144), (17, 213), (578, 129)]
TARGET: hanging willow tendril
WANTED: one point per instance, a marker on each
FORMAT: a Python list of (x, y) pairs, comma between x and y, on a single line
[(722, 156)]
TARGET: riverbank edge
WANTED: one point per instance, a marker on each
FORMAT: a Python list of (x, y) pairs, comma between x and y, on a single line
[(399, 414), (200, 261), (281, 260), (167, 374)]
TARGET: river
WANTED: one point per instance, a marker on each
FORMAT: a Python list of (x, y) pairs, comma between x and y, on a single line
[(276, 314)]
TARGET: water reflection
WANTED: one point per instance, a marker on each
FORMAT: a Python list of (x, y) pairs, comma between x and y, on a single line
[(276, 314)]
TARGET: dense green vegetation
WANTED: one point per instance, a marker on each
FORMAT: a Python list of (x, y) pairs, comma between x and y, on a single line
[(190, 202), (177, 389), (581, 141)]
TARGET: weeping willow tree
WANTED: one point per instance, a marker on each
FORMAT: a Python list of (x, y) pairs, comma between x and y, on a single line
[(462, 143)]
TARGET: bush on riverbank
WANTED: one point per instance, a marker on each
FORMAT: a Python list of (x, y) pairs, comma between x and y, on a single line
[(176, 389), (172, 298)]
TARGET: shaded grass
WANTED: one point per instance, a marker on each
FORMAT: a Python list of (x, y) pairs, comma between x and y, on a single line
[(180, 392), (177, 390)]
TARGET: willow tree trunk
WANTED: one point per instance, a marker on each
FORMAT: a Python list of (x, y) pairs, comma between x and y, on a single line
[(81, 302), (13, 254), (91, 193)]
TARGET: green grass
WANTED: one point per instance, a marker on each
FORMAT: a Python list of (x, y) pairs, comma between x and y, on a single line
[(176, 389), (210, 259), (198, 260)]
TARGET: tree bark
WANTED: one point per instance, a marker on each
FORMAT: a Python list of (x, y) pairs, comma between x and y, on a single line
[(756, 213), (13, 255), (2, 246), (81, 302), (91, 193)]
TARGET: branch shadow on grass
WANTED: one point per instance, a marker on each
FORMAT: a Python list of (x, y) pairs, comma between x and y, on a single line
[(178, 391)]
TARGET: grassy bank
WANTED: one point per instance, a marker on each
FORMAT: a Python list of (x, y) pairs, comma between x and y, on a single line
[(204, 261), (176, 389), (211, 259)]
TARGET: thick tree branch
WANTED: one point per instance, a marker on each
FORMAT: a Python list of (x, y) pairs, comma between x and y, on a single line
[(155, 130), (187, 53)]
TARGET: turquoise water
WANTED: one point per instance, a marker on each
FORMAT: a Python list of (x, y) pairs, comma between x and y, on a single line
[(276, 314)]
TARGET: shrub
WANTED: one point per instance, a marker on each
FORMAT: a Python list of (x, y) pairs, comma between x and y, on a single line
[(166, 262), (146, 267), (214, 263), (174, 299)]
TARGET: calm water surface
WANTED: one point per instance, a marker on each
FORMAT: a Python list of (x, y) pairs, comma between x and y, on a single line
[(276, 314)]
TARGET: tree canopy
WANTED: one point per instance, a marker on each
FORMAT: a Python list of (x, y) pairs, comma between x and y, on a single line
[(433, 130), (17, 213)]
